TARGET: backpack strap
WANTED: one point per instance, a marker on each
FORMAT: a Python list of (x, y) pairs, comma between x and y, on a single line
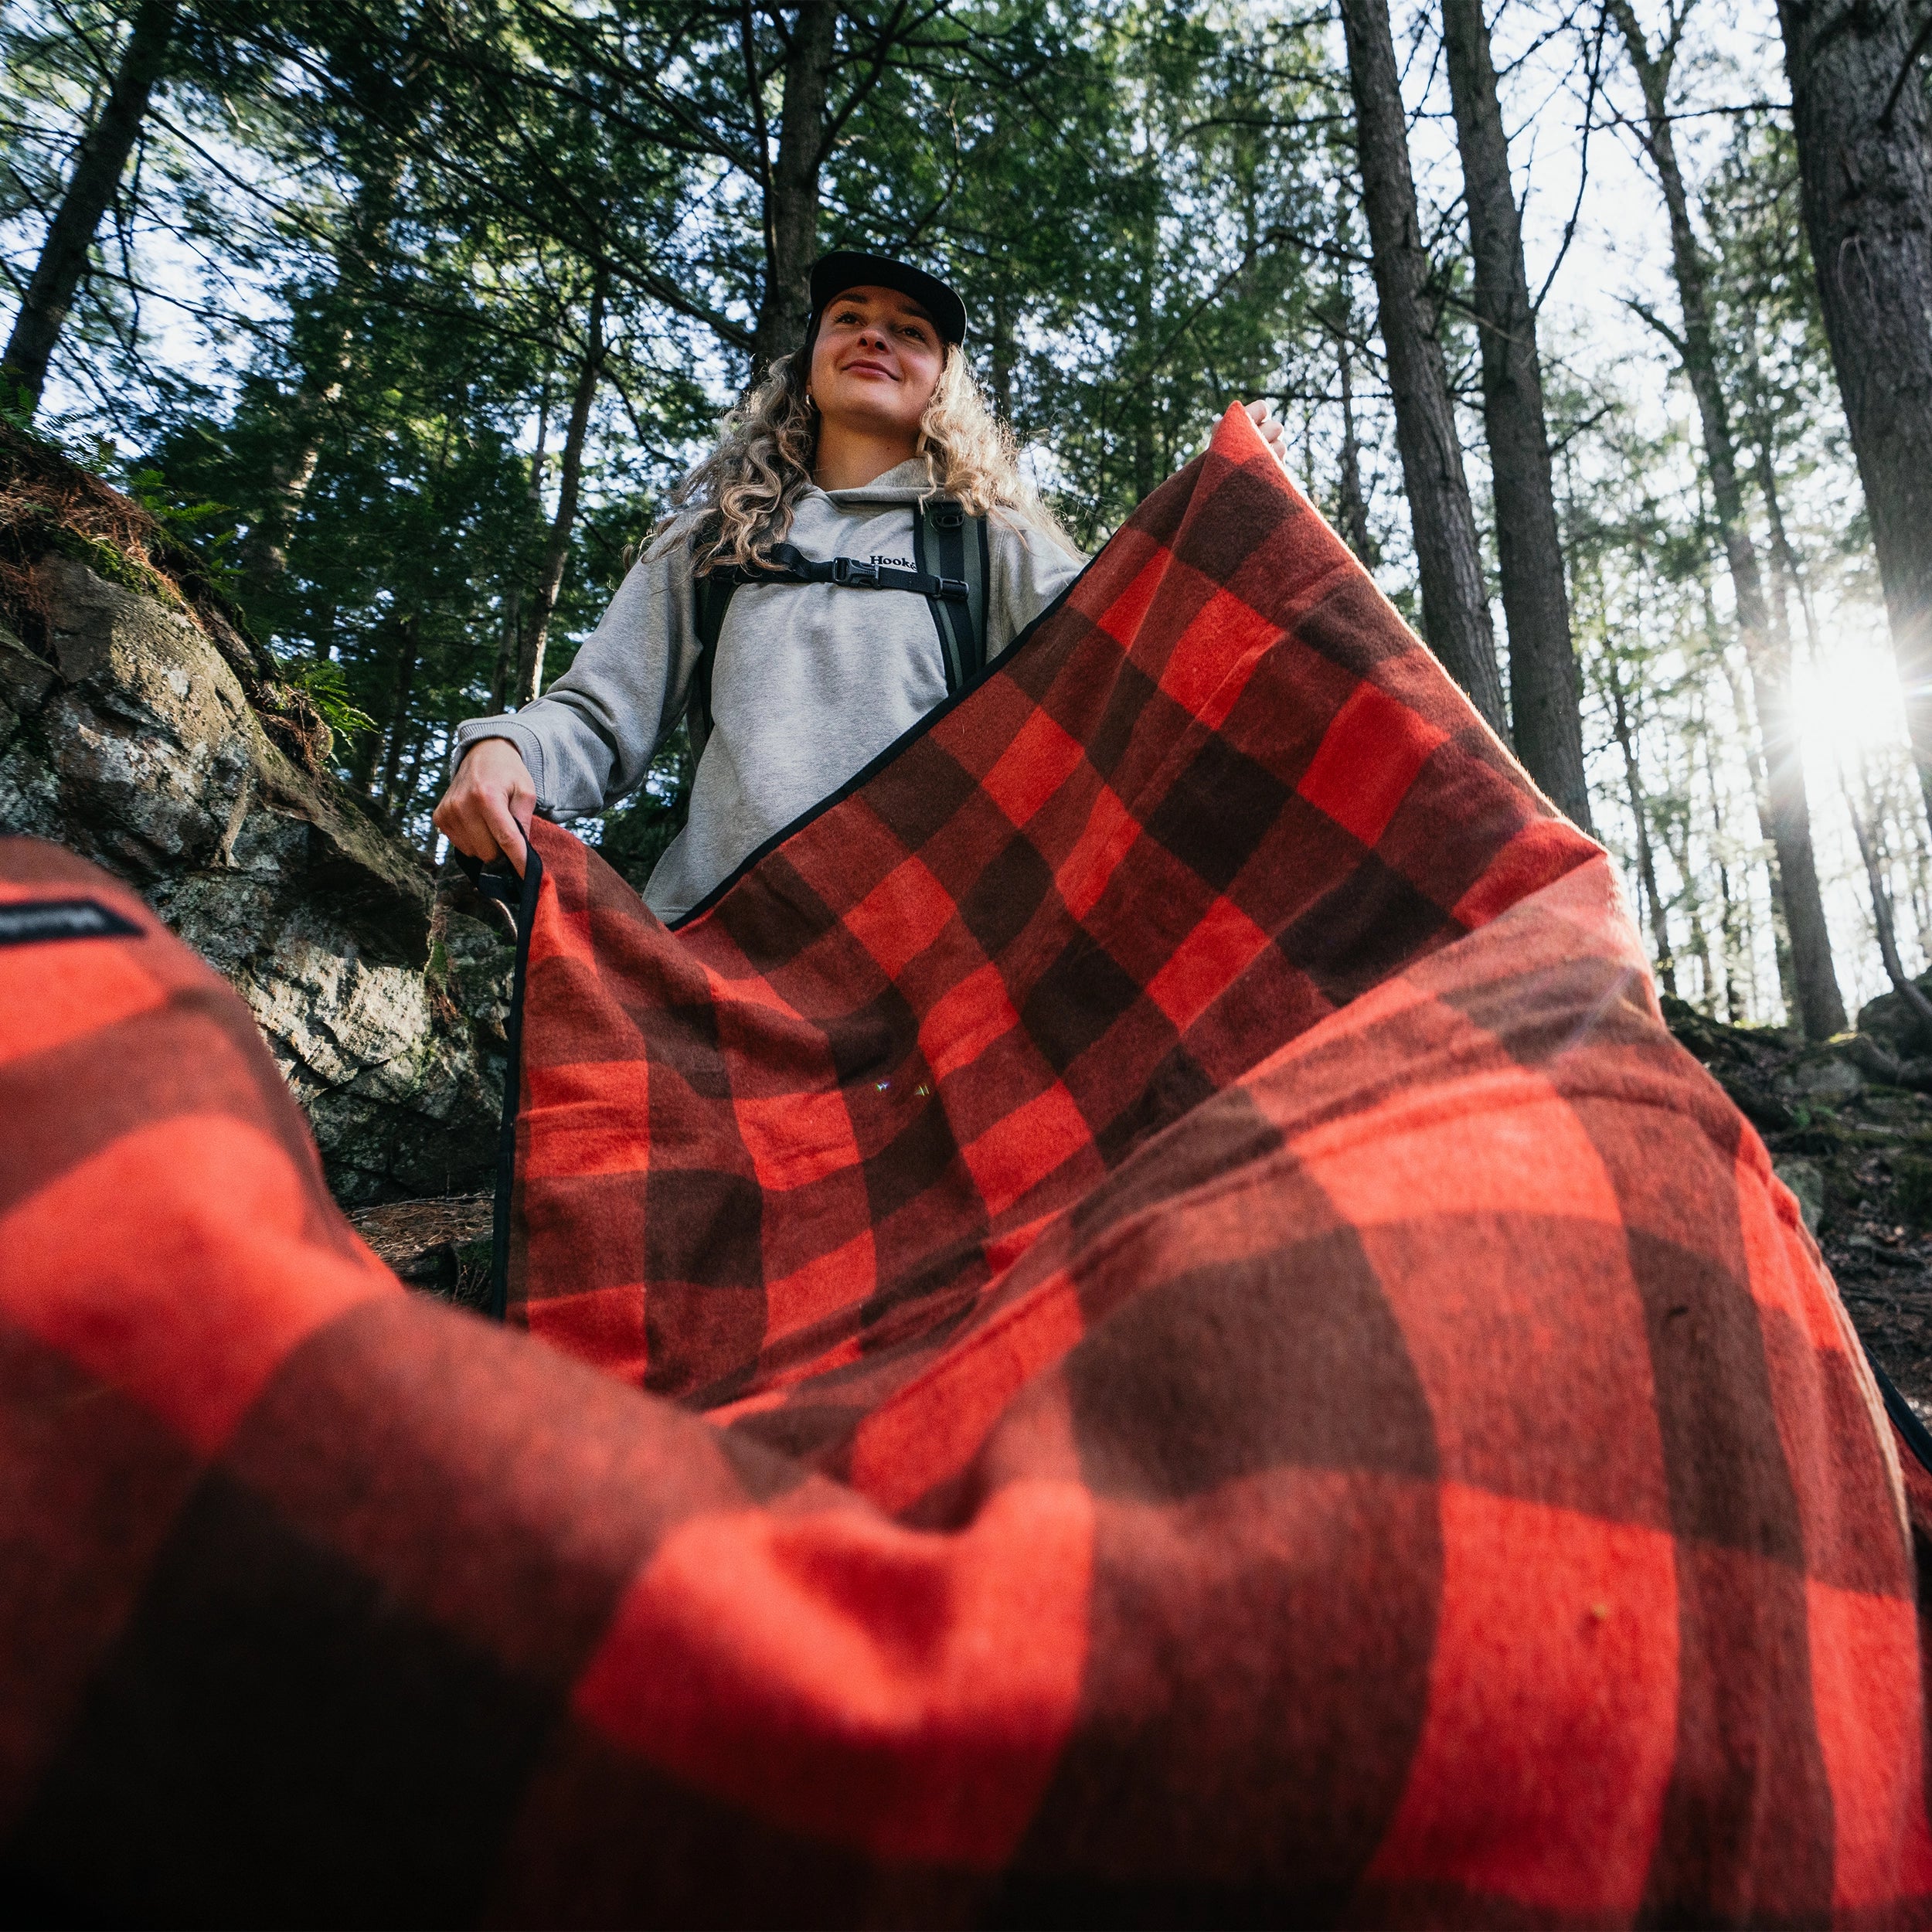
[(956, 594), (941, 530), (789, 565), (712, 594)]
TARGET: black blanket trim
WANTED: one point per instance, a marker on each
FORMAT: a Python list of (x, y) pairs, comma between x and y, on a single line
[(1905, 1418), (520, 896)]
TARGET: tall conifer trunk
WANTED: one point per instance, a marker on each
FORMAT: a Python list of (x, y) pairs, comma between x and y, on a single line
[(98, 164), (1000, 373), (1355, 500), (409, 656), (1864, 169), (1820, 1007), (556, 551), (792, 195), (1626, 739), (1545, 700), (1455, 602), (264, 551), (1744, 708)]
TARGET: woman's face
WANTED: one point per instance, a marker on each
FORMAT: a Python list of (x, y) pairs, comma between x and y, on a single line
[(876, 363)]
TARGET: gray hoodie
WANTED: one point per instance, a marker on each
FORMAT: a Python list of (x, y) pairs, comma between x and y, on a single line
[(812, 681)]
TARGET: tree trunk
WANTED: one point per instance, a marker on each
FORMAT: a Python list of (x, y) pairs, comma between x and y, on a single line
[(1753, 742), (1915, 873), (1701, 945), (102, 155), (1821, 1009), (1734, 933), (1732, 938), (508, 649), (264, 551), (1002, 369), (1675, 831), (556, 551), (1864, 169), (1785, 768), (398, 722), (1883, 917), (791, 195), (1646, 862), (1354, 501), (540, 456), (1787, 578), (1141, 374), (1455, 602), (404, 801), (1545, 700)]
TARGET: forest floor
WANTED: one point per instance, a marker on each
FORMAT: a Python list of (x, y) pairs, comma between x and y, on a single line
[(1854, 1148), (441, 1246)]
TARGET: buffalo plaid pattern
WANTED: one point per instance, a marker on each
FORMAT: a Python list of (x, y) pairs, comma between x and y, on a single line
[(1140, 1323)]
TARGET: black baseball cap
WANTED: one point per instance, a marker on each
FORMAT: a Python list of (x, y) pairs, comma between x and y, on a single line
[(832, 274)]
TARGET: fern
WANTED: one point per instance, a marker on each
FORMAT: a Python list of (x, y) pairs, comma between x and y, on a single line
[(321, 680)]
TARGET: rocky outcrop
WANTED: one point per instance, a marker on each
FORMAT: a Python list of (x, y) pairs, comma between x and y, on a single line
[(137, 727), (1900, 1035)]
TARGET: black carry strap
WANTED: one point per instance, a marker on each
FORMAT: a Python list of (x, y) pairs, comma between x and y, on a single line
[(956, 594), (519, 895)]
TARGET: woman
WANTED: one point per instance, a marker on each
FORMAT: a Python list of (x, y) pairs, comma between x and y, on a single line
[(821, 475)]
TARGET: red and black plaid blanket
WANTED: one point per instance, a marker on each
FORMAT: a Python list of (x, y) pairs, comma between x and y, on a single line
[(1140, 1323)]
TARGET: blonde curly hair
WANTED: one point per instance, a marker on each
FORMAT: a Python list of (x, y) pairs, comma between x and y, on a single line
[(741, 498)]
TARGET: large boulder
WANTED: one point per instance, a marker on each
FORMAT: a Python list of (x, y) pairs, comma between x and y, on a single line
[(140, 728), (1888, 1020)]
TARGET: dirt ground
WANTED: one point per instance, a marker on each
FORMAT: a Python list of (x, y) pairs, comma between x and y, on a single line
[(1854, 1143), (441, 1246)]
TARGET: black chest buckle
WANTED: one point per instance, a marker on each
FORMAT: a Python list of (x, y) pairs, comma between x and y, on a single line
[(852, 569)]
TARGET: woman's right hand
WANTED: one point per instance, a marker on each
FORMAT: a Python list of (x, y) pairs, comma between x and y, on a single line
[(486, 810)]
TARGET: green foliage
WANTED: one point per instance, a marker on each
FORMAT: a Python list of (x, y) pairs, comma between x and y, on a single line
[(323, 680), (181, 520), (1123, 195), (1161, 266), (17, 403)]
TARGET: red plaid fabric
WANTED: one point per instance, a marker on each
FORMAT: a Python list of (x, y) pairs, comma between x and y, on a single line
[(1203, 1356)]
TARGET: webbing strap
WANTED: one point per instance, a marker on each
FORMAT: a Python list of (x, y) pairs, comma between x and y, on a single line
[(955, 594), (940, 528), (789, 566), (713, 592)]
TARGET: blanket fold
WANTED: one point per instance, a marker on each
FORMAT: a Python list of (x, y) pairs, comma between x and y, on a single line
[(1140, 1323)]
